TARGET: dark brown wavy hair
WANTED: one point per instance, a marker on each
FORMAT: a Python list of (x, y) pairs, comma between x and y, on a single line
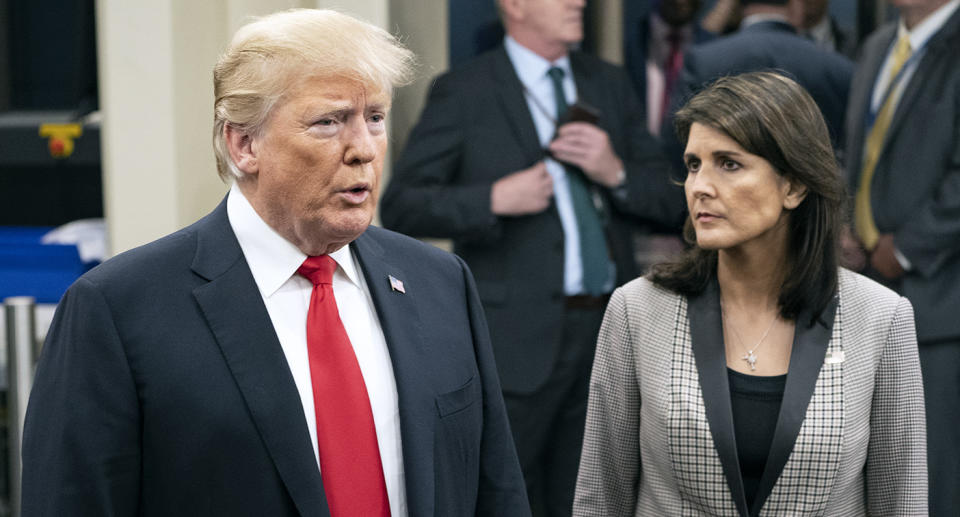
[(773, 117)]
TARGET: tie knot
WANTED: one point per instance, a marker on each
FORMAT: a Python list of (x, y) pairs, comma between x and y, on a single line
[(675, 37), (318, 270), (901, 52), (556, 73)]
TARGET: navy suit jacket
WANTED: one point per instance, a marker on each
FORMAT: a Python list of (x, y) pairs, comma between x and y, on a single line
[(163, 390)]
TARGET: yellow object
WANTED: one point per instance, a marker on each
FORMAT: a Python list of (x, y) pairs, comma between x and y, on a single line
[(863, 212), (61, 138)]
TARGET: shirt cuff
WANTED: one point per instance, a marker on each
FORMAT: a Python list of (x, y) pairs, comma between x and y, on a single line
[(902, 259)]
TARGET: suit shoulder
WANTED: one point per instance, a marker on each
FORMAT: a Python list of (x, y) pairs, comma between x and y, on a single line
[(861, 294), (470, 72), (645, 295), (152, 259), (595, 64), (411, 250)]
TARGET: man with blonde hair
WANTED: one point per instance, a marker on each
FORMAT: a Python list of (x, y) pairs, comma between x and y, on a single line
[(278, 357)]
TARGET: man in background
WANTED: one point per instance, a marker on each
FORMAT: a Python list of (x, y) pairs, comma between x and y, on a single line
[(903, 163), (767, 39), (534, 159)]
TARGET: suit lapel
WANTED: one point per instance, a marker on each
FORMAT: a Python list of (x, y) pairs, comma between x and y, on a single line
[(588, 87), (410, 356), (872, 61), (252, 351), (706, 335), (514, 105), (806, 359)]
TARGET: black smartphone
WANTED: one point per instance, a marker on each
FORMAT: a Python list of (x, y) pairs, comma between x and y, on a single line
[(580, 112)]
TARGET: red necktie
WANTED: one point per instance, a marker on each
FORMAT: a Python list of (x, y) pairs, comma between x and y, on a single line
[(347, 439), (671, 70)]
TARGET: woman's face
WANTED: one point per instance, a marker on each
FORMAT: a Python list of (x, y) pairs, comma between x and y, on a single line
[(736, 199)]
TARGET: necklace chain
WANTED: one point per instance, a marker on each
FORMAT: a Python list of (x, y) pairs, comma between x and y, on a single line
[(751, 356)]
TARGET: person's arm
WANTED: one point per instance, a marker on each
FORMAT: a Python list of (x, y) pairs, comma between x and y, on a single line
[(896, 467), (930, 238), (610, 463), (426, 196), (81, 444), (502, 492)]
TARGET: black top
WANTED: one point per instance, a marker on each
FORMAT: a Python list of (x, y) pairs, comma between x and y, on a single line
[(756, 405)]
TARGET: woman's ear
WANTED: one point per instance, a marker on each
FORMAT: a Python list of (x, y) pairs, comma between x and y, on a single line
[(795, 194), (242, 150)]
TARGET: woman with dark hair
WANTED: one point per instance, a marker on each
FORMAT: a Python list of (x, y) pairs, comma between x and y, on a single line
[(753, 376)]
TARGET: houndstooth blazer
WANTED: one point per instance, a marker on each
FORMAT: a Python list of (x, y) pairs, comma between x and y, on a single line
[(850, 439)]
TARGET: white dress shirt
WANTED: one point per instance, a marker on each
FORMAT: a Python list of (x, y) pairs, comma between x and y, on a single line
[(274, 261), (538, 88)]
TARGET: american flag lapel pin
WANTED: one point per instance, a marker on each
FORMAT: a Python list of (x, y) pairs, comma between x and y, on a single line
[(396, 284)]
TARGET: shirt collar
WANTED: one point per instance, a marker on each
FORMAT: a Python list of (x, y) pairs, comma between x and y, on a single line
[(926, 29), (529, 65), (754, 19), (271, 258), (822, 31)]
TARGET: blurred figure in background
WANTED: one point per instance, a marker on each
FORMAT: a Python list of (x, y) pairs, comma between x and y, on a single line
[(534, 158), (903, 163), (768, 39), (654, 47), (824, 30)]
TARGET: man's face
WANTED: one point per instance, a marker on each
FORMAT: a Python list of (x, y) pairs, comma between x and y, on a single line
[(318, 163), (555, 21)]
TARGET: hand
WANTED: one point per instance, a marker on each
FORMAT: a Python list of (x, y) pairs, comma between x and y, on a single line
[(522, 193), (852, 255), (884, 260), (588, 147)]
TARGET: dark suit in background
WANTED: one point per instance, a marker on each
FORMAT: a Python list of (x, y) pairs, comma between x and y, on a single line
[(475, 129), (764, 45), (915, 196)]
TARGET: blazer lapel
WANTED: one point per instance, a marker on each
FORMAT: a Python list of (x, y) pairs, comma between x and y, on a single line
[(810, 342), (410, 356), (253, 354), (514, 104), (706, 334)]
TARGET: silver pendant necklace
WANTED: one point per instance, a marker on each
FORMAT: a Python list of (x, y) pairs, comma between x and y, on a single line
[(751, 356)]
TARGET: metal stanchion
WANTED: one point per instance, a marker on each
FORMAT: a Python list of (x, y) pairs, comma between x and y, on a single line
[(21, 346)]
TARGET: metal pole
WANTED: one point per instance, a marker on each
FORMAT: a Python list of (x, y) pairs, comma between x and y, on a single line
[(20, 323)]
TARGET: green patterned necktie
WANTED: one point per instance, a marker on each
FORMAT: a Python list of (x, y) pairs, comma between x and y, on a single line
[(593, 242)]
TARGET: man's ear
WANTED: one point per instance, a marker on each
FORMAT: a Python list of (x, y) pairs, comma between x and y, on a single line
[(511, 9), (795, 195), (242, 149)]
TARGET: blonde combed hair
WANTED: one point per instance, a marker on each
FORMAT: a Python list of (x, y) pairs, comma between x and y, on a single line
[(272, 52)]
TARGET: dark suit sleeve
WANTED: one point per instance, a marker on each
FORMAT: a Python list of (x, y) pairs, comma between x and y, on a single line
[(502, 491), (649, 192), (81, 446), (931, 236), (424, 198)]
